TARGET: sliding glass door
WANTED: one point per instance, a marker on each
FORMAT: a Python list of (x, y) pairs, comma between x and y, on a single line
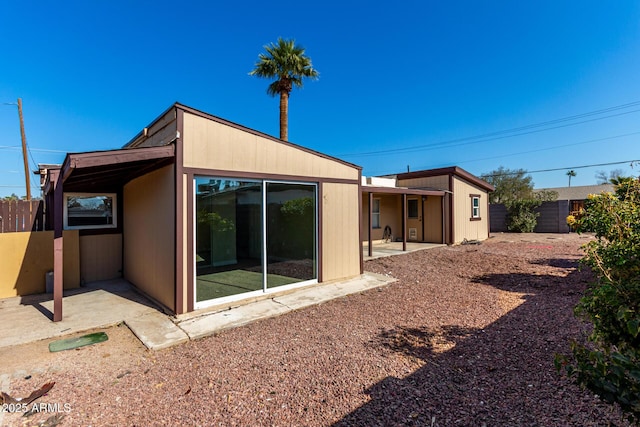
[(291, 233), (241, 226)]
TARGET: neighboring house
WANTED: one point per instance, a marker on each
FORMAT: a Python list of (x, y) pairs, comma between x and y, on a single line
[(446, 205), (577, 195), (196, 211)]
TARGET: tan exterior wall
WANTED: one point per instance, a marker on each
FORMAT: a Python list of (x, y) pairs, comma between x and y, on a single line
[(26, 257), (100, 257), (440, 182), (149, 234), (340, 232), (213, 145), (464, 227), (390, 214)]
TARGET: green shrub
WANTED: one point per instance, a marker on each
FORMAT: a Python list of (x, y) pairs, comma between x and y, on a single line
[(609, 365), (521, 215)]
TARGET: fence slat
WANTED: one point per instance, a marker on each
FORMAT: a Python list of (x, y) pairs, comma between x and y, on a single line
[(4, 213), (21, 215)]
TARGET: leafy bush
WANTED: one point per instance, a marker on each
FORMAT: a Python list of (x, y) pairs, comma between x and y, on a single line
[(521, 215), (609, 364)]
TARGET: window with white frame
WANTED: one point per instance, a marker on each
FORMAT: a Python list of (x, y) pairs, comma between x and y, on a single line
[(90, 210), (375, 214), (475, 206)]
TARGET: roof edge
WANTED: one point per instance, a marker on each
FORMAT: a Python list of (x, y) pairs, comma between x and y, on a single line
[(451, 170)]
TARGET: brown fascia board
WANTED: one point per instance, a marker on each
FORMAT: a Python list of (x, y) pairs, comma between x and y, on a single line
[(455, 170), (208, 116), (48, 185), (153, 122), (103, 158), (401, 190)]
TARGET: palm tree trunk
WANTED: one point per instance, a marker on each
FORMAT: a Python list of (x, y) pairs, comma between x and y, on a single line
[(284, 115)]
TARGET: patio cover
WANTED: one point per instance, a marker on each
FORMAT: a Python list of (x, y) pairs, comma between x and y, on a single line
[(371, 190), (97, 171)]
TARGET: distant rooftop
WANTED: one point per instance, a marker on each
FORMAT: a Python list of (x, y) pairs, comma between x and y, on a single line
[(579, 192)]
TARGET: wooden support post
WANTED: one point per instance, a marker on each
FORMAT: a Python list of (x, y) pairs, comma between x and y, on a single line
[(404, 222), (58, 255), (370, 224)]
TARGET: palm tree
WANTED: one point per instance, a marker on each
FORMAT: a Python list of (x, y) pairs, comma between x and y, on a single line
[(286, 62), (570, 174)]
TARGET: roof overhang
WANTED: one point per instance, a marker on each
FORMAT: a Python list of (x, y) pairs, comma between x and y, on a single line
[(400, 190), (109, 170), (453, 170)]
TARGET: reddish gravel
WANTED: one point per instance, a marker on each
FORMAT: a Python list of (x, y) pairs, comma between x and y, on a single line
[(466, 337)]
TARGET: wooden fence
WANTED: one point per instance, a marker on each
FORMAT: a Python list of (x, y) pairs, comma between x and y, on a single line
[(21, 215), (552, 219)]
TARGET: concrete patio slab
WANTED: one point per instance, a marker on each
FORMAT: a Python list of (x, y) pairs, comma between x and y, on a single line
[(156, 330), (210, 323), (28, 319), (384, 249)]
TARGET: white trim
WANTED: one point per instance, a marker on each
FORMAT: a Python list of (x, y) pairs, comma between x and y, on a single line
[(475, 210), (252, 294), (114, 211)]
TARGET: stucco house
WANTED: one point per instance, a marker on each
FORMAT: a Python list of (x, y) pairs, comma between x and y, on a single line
[(445, 205), (196, 210)]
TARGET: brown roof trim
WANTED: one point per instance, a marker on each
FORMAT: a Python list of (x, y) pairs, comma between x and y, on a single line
[(455, 170), (104, 158), (225, 173), (400, 190), (132, 142), (263, 135)]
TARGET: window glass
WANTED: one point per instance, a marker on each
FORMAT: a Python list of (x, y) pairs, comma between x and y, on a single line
[(475, 207), (375, 214), (90, 211), (412, 208), (252, 236)]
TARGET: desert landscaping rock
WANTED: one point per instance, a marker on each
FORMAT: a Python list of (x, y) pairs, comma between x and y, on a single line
[(465, 337)]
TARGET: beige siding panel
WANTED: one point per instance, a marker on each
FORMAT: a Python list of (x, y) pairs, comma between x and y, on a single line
[(464, 227), (440, 182), (149, 237), (100, 257), (212, 145), (341, 245)]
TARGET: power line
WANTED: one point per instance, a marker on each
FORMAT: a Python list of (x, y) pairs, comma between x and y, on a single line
[(553, 148), (631, 162), (492, 136)]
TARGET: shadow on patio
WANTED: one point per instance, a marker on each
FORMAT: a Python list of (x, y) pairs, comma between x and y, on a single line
[(95, 305), (383, 249)]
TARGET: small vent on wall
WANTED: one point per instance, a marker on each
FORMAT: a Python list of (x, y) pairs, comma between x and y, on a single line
[(413, 234)]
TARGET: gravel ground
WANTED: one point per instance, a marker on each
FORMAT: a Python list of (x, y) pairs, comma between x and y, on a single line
[(466, 337)]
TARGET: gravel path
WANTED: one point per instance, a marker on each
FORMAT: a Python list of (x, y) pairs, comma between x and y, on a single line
[(466, 337)]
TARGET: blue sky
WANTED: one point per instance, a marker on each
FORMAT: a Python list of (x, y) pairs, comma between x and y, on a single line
[(423, 78)]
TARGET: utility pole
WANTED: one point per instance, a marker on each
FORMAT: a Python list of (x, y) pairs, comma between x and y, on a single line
[(24, 150)]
